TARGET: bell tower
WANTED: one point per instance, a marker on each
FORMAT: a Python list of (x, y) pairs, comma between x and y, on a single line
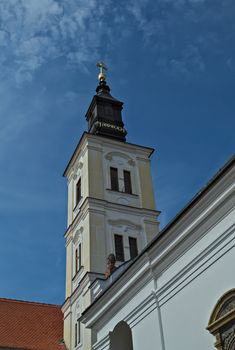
[(111, 206)]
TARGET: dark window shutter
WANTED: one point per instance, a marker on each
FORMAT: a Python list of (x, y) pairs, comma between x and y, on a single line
[(76, 261), (114, 179), (127, 181), (78, 258), (133, 247), (119, 251), (78, 191), (79, 331), (76, 335), (79, 255)]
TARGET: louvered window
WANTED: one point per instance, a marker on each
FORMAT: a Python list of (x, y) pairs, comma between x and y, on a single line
[(127, 181), (133, 247), (119, 250), (114, 179)]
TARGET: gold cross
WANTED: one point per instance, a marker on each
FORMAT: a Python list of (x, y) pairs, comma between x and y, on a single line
[(103, 68)]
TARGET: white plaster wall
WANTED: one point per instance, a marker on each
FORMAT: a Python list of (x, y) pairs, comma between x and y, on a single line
[(134, 317), (146, 334), (186, 315), (186, 290), (202, 251)]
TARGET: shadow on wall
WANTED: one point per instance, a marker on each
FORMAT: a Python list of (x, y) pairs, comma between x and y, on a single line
[(121, 337)]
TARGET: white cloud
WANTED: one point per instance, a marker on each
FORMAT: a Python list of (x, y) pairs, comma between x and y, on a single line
[(182, 32), (34, 32)]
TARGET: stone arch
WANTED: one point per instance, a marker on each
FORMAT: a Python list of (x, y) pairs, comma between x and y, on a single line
[(121, 337), (222, 321)]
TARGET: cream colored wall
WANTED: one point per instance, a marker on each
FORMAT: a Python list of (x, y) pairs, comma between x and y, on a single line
[(85, 172), (67, 331), (78, 170), (69, 259), (92, 164), (70, 201), (150, 228), (145, 184), (87, 342), (98, 250), (95, 173), (86, 244), (101, 213)]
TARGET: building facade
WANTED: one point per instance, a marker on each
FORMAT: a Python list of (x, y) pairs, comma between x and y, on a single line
[(179, 292), (169, 290), (111, 207)]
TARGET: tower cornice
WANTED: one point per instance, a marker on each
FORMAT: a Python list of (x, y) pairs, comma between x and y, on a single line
[(145, 150), (95, 204)]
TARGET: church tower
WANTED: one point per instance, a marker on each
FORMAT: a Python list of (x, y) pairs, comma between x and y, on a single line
[(111, 207)]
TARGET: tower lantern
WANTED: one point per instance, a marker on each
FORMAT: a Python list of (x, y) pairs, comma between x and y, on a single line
[(104, 115)]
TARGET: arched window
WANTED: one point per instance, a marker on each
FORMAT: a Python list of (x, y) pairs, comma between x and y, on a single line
[(222, 322), (121, 337)]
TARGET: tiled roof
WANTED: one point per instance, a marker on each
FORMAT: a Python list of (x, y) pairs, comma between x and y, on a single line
[(29, 325)]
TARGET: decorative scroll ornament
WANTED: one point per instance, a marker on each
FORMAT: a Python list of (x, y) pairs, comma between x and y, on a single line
[(78, 235)]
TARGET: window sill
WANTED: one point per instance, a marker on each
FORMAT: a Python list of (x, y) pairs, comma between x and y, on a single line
[(120, 262), (78, 346), (79, 272), (77, 205), (120, 192)]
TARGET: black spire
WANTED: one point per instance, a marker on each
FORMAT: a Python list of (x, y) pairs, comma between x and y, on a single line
[(104, 114)]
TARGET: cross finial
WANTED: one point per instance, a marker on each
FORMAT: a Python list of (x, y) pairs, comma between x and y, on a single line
[(103, 68)]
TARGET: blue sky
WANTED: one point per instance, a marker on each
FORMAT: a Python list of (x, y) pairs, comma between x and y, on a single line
[(172, 63)]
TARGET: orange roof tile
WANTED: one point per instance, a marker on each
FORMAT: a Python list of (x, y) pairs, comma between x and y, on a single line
[(30, 325)]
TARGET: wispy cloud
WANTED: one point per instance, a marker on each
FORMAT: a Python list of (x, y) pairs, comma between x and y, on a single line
[(181, 31), (179, 34), (189, 62), (33, 32)]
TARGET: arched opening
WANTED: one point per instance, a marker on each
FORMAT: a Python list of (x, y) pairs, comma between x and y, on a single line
[(222, 322), (121, 337)]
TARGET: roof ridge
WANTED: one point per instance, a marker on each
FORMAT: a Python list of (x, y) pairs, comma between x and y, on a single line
[(29, 302)]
